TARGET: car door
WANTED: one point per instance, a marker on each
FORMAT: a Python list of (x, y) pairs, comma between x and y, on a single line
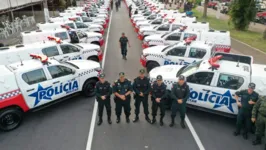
[(226, 86), (162, 29), (173, 38), (37, 87), (65, 80), (70, 52), (201, 86), (195, 54), (175, 56)]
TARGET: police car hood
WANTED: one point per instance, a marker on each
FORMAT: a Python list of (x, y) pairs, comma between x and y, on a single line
[(153, 37), (90, 34), (87, 46), (154, 49), (85, 64), (95, 25), (142, 22), (168, 72), (138, 18), (146, 29)]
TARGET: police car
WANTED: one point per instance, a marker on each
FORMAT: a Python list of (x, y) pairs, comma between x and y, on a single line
[(41, 82), (150, 17), (62, 51), (73, 37), (160, 29), (152, 23), (213, 82), (183, 53)]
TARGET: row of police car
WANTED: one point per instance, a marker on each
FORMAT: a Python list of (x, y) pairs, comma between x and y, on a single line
[(175, 44), (60, 59)]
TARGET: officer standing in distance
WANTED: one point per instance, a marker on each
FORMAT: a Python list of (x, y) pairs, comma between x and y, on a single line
[(259, 116), (159, 94), (123, 41), (122, 89), (141, 87), (248, 98), (180, 94), (103, 93), (129, 10)]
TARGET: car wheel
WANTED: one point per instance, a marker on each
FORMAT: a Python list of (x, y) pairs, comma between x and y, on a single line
[(88, 89), (10, 119), (151, 65)]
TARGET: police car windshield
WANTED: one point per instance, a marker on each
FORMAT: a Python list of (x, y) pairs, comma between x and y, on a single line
[(164, 35), (168, 47), (188, 70), (70, 64)]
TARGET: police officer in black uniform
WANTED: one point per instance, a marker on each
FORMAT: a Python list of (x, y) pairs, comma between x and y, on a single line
[(103, 93), (180, 94), (123, 41), (141, 87), (159, 94), (129, 10), (122, 89)]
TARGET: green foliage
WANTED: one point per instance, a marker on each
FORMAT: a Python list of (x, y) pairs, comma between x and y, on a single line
[(62, 3), (264, 34), (68, 3), (242, 12), (74, 3)]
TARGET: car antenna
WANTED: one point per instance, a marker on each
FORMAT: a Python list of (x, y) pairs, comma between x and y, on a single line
[(21, 63)]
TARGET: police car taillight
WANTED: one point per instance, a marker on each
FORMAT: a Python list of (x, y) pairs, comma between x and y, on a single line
[(212, 61)]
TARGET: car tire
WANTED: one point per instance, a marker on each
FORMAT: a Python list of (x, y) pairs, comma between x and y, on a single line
[(10, 119), (88, 89), (151, 65), (93, 58)]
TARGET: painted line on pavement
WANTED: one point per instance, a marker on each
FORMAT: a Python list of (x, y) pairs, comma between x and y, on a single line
[(95, 108)]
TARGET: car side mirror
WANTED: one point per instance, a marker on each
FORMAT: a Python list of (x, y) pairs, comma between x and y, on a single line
[(73, 71)]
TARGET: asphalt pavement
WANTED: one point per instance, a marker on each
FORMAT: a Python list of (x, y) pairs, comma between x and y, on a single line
[(66, 126)]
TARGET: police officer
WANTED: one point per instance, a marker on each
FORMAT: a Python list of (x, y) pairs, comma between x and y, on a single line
[(123, 41), (122, 89), (129, 10), (103, 93), (141, 87), (159, 94), (180, 94), (112, 4), (248, 98), (259, 115)]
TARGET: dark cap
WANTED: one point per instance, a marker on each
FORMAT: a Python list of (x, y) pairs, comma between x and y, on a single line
[(159, 77), (102, 75), (121, 74), (252, 86), (142, 71), (181, 77)]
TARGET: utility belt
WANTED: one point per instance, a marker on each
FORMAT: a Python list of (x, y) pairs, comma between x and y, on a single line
[(135, 96)]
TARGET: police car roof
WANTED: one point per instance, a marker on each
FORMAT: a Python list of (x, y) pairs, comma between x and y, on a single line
[(28, 64), (199, 44), (226, 66), (43, 31)]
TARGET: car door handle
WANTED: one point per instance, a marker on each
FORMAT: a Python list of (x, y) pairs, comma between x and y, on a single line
[(66, 56), (30, 90), (56, 82)]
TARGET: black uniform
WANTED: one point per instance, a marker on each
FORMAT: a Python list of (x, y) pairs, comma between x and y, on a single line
[(112, 4), (141, 85), (123, 43), (158, 92), (103, 89), (122, 88), (129, 10), (179, 92)]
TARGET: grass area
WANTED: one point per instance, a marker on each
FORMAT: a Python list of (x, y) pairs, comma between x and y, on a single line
[(253, 39)]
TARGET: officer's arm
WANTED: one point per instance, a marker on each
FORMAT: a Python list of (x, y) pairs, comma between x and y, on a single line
[(187, 94), (130, 88), (148, 89), (173, 92), (128, 42), (152, 92), (165, 93), (255, 98), (135, 88), (256, 108), (115, 90), (97, 92), (110, 90), (238, 94)]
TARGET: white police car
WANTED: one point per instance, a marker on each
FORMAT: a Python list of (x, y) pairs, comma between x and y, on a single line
[(151, 23), (40, 82), (214, 82), (150, 17), (182, 53)]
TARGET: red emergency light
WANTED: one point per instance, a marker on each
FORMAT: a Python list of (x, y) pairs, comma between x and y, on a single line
[(72, 19), (212, 61), (57, 40), (79, 14), (183, 28), (190, 39), (66, 27), (164, 15), (43, 58), (171, 20)]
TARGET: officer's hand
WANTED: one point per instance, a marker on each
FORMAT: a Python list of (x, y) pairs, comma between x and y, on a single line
[(123, 97), (103, 97), (157, 100), (253, 119), (141, 94), (239, 104), (180, 101), (251, 102)]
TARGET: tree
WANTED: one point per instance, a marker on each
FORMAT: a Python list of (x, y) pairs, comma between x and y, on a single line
[(205, 9), (62, 4), (74, 3), (242, 13), (68, 3)]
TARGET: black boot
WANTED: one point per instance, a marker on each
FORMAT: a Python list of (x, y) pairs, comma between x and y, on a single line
[(161, 121), (125, 57), (173, 122), (109, 120), (100, 121), (118, 119), (182, 123), (153, 120), (136, 118), (148, 118), (257, 141), (127, 119), (245, 135)]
